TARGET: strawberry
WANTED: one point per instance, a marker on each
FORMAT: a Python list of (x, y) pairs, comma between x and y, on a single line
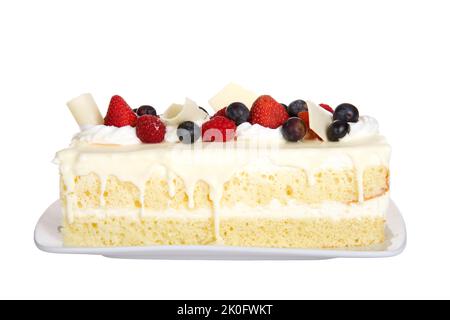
[(220, 113), (268, 112), (218, 129), (120, 114), (304, 115), (326, 107), (150, 129), (310, 135)]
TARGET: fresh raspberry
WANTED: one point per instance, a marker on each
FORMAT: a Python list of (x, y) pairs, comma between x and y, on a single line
[(150, 129), (220, 113), (120, 114), (268, 112), (218, 129), (304, 115), (326, 107)]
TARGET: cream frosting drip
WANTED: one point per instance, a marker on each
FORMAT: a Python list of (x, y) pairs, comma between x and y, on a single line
[(214, 163)]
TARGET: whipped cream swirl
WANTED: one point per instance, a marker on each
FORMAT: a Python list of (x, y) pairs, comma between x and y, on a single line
[(247, 131), (365, 127), (102, 134)]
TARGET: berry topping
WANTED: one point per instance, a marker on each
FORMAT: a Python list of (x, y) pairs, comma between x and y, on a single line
[(188, 132), (220, 113), (237, 112), (119, 113), (346, 112), (150, 129), (201, 108), (294, 129), (297, 106), (326, 107), (218, 129), (337, 130), (143, 110), (268, 112)]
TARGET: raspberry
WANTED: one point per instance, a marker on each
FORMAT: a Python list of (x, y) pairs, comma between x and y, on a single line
[(150, 129), (326, 107), (220, 113), (218, 129)]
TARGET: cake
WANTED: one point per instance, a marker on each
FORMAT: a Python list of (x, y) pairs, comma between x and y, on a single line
[(252, 173)]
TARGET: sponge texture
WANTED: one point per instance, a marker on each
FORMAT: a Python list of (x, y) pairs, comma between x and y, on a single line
[(252, 189)]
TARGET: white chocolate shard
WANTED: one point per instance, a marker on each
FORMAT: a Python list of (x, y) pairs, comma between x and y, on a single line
[(85, 111), (232, 93), (178, 113), (319, 119)]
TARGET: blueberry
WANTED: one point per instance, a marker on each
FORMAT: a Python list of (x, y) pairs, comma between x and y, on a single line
[(144, 110), (135, 110), (294, 129), (188, 132), (237, 112), (337, 130), (204, 110), (297, 106), (285, 106), (346, 112)]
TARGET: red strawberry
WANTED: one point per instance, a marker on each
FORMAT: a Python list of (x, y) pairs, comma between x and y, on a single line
[(268, 112), (310, 135), (150, 129), (220, 113), (218, 129), (304, 115), (326, 107), (120, 114)]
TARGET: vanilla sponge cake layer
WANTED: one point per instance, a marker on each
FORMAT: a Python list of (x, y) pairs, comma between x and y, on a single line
[(89, 231), (249, 188)]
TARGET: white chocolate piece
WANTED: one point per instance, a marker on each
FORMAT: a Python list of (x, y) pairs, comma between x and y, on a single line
[(85, 111), (319, 119), (178, 113), (232, 93)]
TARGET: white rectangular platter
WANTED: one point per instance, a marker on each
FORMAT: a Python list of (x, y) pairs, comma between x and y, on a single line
[(48, 238)]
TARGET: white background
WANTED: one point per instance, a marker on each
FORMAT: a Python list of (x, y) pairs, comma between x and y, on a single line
[(390, 58)]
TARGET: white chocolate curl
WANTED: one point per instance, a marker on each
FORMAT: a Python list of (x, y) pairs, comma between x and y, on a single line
[(178, 113), (232, 93), (85, 111)]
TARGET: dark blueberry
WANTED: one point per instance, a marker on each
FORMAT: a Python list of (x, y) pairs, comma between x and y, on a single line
[(143, 110), (135, 110), (237, 112), (285, 106), (337, 130), (294, 129), (188, 132), (204, 110), (297, 106), (346, 112)]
